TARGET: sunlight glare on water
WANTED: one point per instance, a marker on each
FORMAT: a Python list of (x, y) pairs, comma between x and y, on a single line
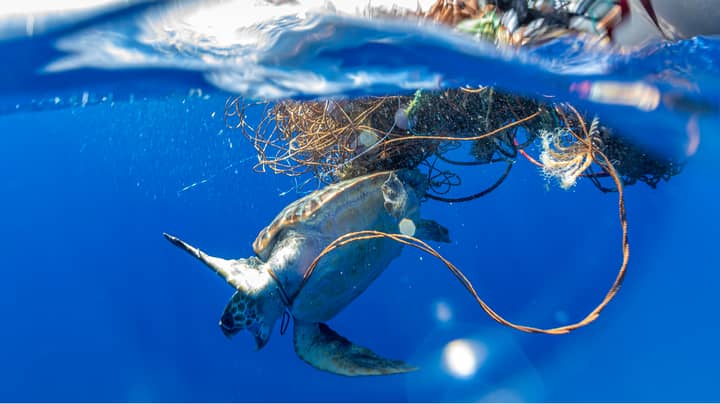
[(31, 17), (52, 6), (443, 311), (462, 358)]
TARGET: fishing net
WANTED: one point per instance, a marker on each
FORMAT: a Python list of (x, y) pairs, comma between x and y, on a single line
[(335, 140), (331, 139)]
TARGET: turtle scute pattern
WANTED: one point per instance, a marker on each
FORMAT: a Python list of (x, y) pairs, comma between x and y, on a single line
[(304, 208)]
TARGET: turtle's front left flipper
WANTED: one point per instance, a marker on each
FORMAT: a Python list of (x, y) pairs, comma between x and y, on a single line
[(323, 348), (431, 230)]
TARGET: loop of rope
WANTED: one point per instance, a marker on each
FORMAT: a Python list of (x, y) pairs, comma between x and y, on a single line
[(480, 194), (286, 316), (285, 322), (283, 294)]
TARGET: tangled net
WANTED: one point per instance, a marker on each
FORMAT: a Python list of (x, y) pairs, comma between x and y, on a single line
[(334, 140)]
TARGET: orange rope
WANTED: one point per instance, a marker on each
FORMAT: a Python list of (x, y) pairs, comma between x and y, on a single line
[(527, 156), (471, 138)]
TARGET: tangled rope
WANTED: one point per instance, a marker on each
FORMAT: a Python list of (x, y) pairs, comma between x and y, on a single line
[(585, 147), (332, 140), (341, 139)]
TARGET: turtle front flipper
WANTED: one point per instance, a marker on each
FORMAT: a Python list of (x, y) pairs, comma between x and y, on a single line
[(324, 349), (230, 270), (431, 230)]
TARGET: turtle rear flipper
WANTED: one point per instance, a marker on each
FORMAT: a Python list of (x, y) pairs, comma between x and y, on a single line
[(324, 349)]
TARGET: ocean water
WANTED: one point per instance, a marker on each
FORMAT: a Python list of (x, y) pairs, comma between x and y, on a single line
[(112, 133)]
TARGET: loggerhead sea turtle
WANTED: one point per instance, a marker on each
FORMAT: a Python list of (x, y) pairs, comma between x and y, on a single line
[(271, 282)]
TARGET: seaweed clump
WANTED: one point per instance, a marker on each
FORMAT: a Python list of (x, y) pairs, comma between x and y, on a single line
[(567, 156)]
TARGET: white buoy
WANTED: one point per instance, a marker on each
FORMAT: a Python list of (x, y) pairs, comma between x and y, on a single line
[(367, 138), (407, 227), (401, 119)]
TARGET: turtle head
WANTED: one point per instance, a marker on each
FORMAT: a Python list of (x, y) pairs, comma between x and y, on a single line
[(256, 312), (256, 304)]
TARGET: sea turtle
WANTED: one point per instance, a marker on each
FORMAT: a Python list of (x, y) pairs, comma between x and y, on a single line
[(272, 281)]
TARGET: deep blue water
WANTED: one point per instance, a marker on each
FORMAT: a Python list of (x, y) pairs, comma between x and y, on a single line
[(96, 306)]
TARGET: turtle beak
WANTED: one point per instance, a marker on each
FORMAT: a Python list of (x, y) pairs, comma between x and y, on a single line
[(229, 334), (226, 325)]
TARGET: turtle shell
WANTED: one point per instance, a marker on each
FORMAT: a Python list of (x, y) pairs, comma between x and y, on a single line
[(331, 199)]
